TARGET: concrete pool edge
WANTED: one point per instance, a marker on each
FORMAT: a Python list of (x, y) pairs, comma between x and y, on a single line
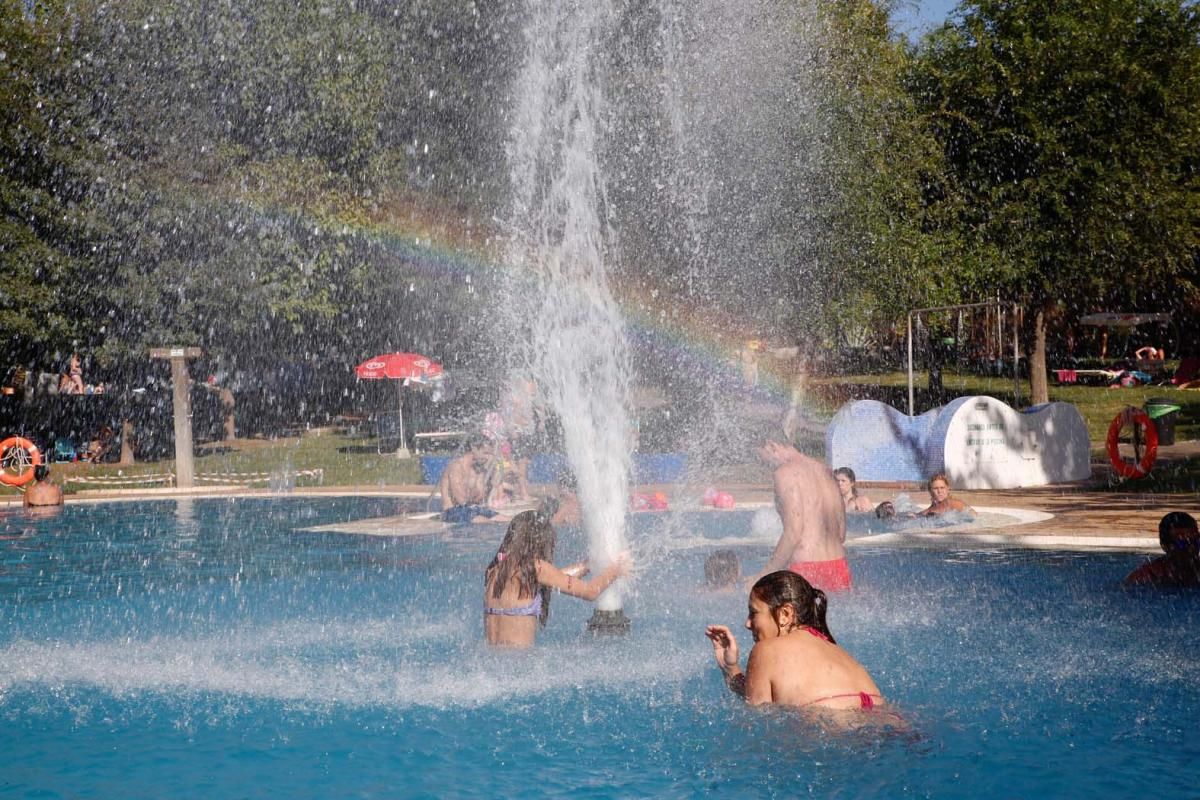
[(957, 539)]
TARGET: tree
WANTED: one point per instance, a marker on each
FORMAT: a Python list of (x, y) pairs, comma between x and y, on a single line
[(1072, 131), (49, 227), (889, 209)]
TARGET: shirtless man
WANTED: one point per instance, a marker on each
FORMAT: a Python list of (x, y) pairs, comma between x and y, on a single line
[(814, 518), (464, 483), (43, 492)]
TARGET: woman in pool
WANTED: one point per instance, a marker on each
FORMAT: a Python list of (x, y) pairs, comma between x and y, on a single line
[(795, 660), (940, 500), (855, 502), (517, 584)]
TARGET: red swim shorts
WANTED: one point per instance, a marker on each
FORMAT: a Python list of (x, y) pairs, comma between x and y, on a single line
[(828, 576)]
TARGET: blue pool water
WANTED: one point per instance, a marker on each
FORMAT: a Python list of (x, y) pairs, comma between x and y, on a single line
[(212, 648)]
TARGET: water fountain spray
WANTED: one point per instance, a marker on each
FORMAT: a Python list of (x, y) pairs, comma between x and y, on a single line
[(572, 329)]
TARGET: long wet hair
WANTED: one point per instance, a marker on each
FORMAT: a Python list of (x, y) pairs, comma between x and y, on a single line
[(530, 537), (849, 473), (786, 588)]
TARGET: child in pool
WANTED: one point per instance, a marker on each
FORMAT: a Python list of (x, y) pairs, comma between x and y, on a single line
[(1180, 540), (722, 571), (517, 584)]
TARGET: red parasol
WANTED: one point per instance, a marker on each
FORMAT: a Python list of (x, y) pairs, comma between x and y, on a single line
[(404, 368), (399, 367)]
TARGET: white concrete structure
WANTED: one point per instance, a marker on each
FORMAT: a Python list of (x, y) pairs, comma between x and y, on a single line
[(979, 442), (989, 445)]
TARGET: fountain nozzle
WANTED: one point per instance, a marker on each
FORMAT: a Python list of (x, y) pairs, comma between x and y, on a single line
[(608, 623)]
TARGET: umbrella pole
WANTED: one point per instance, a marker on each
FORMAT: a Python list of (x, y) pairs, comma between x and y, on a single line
[(402, 451)]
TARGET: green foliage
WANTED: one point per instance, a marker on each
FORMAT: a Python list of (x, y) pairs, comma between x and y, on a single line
[(233, 175), (1070, 129), (225, 175), (50, 231), (894, 241)]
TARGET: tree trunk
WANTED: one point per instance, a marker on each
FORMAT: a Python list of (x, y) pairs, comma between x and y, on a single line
[(227, 415), (126, 443), (1038, 385)]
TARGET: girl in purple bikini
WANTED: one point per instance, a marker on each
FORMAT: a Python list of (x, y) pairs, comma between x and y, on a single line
[(517, 584)]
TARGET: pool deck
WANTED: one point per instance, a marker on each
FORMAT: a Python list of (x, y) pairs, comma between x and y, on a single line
[(1079, 516)]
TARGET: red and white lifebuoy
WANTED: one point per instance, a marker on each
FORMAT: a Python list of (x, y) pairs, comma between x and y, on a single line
[(18, 457), (1135, 418)]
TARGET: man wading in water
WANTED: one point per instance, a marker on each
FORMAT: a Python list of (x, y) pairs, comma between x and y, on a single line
[(814, 518)]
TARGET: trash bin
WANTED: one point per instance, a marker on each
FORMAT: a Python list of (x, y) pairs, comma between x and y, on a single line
[(1164, 413), (387, 428)]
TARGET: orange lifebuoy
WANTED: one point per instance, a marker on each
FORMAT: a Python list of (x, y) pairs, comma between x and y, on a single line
[(1136, 418), (18, 457)]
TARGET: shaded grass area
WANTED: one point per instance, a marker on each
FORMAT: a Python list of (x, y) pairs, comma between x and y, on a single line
[(1169, 476), (345, 461)]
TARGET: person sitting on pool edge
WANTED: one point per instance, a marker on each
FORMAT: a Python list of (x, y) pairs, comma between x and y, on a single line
[(1180, 540), (848, 486), (517, 584), (464, 484), (795, 660)]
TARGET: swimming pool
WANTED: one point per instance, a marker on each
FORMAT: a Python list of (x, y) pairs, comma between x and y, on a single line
[(213, 648)]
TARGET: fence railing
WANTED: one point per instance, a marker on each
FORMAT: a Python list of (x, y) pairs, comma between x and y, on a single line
[(168, 478)]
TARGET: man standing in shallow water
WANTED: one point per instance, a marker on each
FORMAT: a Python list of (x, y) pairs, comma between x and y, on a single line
[(813, 543)]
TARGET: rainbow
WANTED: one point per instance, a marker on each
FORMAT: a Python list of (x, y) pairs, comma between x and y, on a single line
[(694, 336)]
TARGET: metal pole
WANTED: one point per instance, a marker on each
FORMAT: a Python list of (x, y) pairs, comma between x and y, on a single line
[(999, 334), (958, 341), (402, 450), (1016, 356), (911, 400)]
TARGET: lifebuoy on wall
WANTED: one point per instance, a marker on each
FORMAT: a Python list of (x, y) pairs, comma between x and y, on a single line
[(1136, 418), (18, 457)]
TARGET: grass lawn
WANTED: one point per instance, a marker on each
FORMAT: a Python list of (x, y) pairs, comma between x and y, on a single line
[(345, 460)]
